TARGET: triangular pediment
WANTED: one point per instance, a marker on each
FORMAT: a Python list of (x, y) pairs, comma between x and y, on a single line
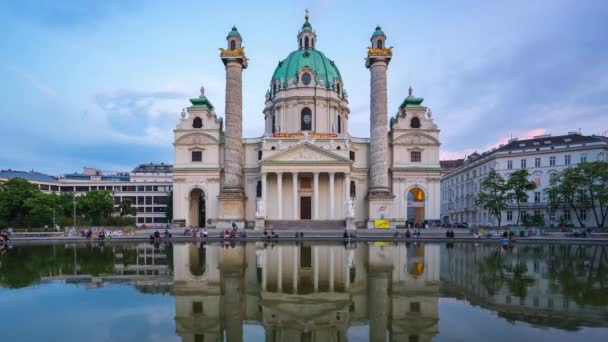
[(305, 153)]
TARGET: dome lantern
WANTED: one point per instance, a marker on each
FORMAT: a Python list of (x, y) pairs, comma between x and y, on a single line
[(307, 38)]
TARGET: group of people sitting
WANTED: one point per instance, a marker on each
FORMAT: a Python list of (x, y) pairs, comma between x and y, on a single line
[(156, 236), (449, 234), (5, 236), (272, 235), (348, 236), (408, 234), (197, 233)]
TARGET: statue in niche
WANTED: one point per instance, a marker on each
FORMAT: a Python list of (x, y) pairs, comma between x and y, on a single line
[(349, 208), (260, 211)]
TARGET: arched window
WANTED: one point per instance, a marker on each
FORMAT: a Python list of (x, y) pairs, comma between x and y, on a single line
[(306, 119), (379, 44), (306, 42), (197, 122), (312, 43), (353, 189), (232, 44), (258, 189), (274, 123), (339, 124), (338, 88), (415, 123)]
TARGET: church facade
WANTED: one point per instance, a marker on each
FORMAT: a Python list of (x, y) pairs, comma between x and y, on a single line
[(306, 170)]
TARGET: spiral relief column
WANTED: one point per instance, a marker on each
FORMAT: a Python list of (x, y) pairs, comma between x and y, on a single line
[(232, 196), (379, 196)]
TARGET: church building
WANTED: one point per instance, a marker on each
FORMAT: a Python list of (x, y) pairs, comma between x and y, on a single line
[(306, 170)]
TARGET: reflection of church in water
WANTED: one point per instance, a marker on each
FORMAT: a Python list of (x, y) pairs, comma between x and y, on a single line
[(307, 293)]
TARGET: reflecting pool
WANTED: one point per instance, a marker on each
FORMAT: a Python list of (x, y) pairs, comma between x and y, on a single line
[(304, 292)]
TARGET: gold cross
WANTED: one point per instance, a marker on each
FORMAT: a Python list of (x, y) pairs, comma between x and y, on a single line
[(307, 16)]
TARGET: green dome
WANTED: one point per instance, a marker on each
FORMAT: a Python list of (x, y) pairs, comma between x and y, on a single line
[(378, 32), (315, 60), (234, 33)]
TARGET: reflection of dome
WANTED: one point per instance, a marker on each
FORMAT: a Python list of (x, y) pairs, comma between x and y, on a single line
[(315, 60)]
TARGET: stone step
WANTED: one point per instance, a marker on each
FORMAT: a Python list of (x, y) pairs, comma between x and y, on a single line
[(305, 224)]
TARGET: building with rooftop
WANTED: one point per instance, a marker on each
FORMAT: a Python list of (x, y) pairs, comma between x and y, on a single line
[(147, 187), (306, 169), (542, 155)]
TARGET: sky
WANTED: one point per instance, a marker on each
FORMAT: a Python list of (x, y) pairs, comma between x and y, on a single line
[(102, 83)]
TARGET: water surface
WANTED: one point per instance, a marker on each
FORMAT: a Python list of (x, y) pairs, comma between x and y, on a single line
[(304, 292)]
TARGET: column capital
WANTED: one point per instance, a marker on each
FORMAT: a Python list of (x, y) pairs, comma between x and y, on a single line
[(316, 173)]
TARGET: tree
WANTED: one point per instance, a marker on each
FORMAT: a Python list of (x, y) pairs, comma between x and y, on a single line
[(493, 195), (126, 208), (519, 185), (581, 187), (169, 207), (96, 205), (13, 195), (40, 207)]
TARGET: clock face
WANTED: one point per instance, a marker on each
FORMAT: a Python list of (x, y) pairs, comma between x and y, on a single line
[(306, 79), (307, 119)]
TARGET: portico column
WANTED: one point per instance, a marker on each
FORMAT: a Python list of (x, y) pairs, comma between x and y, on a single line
[(264, 192), (280, 195), (331, 195), (316, 196), (294, 176)]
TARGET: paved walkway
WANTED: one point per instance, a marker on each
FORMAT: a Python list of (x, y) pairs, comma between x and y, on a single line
[(329, 235)]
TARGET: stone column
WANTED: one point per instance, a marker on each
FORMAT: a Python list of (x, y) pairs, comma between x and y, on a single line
[(331, 195), (233, 135), (280, 195), (378, 154), (379, 196), (264, 193), (294, 179), (232, 196), (316, 196)]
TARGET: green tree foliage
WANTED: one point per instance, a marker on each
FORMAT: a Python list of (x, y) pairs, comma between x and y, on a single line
[(518, 187), (493, 195), (584, 186), (126, 208), (40, 208), (96, 205), (13, 195)]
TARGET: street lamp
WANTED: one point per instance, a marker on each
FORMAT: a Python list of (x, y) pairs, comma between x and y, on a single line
[(74, 212)]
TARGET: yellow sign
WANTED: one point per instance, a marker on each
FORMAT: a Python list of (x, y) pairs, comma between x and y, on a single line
[(382, 224)]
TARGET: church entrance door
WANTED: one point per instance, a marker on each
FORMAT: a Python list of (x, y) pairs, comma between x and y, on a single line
[(305, 208)]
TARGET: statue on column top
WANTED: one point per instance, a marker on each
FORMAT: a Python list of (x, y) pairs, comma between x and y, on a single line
[(184, 113), (202, 92)]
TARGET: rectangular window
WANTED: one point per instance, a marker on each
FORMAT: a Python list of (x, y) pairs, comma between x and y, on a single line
[(583, 215), (148, 220), (583, 158), (567, 159), (148, 187), (148, 200), (259, 155), (351, 154), (197, 156), (160, 199), (537, 197), (148, 209), (536, 162), (567, 214), (536, 212), (415, 307), (140, 220), (523, 163), (140, 188), (552, 215), (140, 200), (552, 161), (67, 189), (416, 157), (509, 215)]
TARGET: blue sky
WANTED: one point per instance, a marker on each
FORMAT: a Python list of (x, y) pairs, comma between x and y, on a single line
[(102, 83)]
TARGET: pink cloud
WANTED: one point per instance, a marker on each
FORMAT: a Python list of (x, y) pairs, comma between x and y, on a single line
[(447, 154)]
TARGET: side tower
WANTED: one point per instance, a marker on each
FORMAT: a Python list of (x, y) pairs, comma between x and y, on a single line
[(232, 197), (379, 196)]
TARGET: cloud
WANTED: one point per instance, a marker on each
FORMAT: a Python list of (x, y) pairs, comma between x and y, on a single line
[(447, 154), (33, 81), (140, 116)]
